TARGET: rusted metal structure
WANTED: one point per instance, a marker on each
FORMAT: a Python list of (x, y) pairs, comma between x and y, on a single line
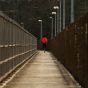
[(71, 49), (16, 45)]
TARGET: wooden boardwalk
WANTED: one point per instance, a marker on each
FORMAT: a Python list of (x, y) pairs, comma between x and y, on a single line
[(43, 71)]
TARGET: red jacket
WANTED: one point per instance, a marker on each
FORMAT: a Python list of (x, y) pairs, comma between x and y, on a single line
[(44, 40)]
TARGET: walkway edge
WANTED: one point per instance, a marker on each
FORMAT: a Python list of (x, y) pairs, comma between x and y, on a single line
[(25, 62), (66, 71)]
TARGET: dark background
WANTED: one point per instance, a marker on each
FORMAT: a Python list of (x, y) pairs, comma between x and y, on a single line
[(29, 11)]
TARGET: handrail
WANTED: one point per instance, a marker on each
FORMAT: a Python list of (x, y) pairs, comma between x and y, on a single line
[(16, 45)]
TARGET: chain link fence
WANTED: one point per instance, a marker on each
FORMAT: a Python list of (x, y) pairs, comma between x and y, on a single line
[(71, 49)]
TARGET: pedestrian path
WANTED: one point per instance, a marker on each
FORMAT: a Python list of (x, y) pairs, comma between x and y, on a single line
[(43, 71)]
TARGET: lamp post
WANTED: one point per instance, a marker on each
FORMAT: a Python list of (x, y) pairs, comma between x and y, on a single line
[(41, 29), (51, 27), (22, 24), (57, 8), (54, 13), (64, 14), (72, 11), (60, 14)]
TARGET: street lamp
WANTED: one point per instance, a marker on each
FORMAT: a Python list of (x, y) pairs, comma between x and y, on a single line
[(22, 24), (51, 27), (64, 14), (56, 7), (72, 11), (54, 13), (57, 10), (60, 14), (41, 29)]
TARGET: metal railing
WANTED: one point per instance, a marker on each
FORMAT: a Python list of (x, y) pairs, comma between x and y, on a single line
[(16, 45), (71, 49)]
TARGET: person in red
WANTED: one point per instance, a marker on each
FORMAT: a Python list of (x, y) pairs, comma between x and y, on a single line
[(44, 42)]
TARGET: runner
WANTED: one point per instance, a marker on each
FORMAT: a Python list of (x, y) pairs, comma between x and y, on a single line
[(44, 43)]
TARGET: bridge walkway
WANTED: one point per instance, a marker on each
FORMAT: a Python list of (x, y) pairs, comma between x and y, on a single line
[(42, 71)]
